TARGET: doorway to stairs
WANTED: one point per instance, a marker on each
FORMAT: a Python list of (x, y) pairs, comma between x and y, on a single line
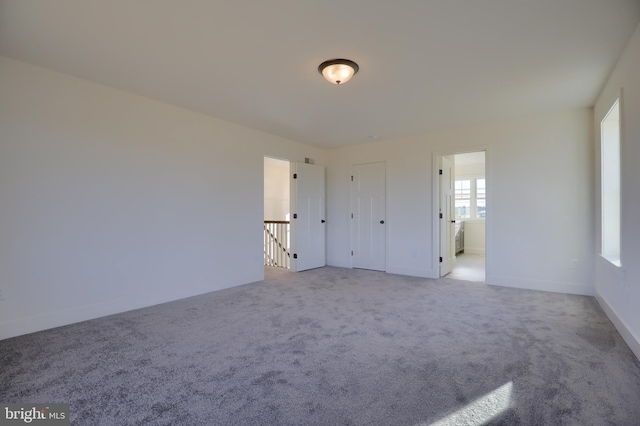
[(277, 227), (294, 218)]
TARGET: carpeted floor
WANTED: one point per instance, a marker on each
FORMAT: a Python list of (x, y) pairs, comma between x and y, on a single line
[(336, 346)]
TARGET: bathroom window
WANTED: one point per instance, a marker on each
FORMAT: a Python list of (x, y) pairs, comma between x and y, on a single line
[(481, 198), (470, 198), (463, 198)]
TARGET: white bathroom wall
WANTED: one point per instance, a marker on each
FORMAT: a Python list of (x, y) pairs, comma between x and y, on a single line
[(474, 236), (469, 170)]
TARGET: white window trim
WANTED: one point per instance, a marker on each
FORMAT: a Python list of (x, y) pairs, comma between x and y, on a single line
[(613, 258), (473, 199)]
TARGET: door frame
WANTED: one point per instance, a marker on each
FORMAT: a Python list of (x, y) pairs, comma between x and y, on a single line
[(435, 202), (288, 161)]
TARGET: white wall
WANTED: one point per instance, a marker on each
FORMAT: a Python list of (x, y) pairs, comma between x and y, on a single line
[(474, 236), (276, 189), (111, 201), (618, 289), (475, 170), (539, 173)]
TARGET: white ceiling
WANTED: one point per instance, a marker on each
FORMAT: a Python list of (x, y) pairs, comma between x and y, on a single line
[(425, 65)]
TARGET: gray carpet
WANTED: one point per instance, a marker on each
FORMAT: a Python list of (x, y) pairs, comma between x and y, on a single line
[(337, 347)]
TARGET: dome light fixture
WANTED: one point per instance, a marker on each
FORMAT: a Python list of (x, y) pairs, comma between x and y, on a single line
[(338, 71)]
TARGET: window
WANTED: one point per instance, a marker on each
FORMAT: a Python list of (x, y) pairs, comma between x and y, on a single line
[(481, 198), (610, 184), (470, 198), (463, 199)]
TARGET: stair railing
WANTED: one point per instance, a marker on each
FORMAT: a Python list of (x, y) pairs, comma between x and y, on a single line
[(276, 243)]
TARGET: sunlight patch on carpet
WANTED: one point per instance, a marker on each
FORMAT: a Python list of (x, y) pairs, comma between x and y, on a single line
[(480, 411)]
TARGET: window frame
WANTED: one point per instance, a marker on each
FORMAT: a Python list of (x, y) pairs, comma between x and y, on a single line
[(457, 198), (610, 184), (473, 196)]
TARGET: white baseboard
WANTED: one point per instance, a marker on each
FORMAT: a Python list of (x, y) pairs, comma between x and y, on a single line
[(472, 250), (339, 263), (412, 272), (47, 320), (629, 337), (553, 286), (391, 269)]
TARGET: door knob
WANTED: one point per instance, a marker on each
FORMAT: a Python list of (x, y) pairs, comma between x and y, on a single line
[(322, 221), (382, 222)]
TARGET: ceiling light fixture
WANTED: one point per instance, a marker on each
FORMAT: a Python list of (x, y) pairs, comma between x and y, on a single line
[(338, 71)]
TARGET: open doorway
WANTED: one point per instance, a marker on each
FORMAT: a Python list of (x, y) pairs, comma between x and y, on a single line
[(294, 215), (462, 211), (277, 229)]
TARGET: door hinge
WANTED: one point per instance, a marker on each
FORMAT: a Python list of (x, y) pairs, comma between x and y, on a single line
[(351, 215), (351, 178), (351, 252), (295, 215), (295, 175), (440, 259), (295, 255), (440, 215)]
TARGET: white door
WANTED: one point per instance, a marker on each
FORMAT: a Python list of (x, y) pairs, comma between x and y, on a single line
[(368, 206), (307, 217), (447, 217)]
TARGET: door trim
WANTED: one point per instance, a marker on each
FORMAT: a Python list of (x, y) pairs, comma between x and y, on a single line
[(435, 205), (448, 215)]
